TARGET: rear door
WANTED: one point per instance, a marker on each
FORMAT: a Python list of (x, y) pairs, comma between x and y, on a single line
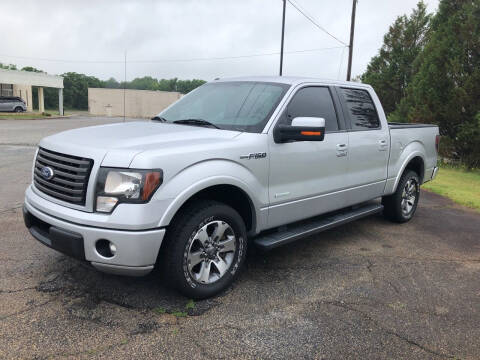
[(369, 144), (306, 177)]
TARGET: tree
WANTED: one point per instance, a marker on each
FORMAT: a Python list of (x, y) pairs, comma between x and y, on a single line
[(143, 83), (149, 83), (32, 69), (75, 92), (167, 85), (391, 70), (8, 67), (446, 88), (182, 86), (112, 83), (185, 86)]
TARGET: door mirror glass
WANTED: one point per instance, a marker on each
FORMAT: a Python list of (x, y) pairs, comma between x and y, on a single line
[(301, 129)]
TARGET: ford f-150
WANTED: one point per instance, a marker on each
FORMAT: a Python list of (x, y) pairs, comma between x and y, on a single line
[(257, 161)]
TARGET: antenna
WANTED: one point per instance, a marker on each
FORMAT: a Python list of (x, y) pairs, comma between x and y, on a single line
[(283, 35), (124, 85)]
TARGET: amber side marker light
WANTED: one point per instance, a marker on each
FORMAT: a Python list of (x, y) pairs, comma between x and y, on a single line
[(152, 180), (311, 133)]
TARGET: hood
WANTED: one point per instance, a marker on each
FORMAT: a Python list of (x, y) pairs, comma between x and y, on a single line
[(117, 144)]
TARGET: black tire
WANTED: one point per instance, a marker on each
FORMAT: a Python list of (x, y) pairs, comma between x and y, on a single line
[(181, 237), (393, 204), (18, 109)]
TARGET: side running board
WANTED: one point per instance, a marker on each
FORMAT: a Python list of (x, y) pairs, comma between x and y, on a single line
[(290, 233)]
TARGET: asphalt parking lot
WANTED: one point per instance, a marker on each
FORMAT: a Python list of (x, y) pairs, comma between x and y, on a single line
[(370, 289)]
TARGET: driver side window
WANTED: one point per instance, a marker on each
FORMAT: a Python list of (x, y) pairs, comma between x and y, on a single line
[(312, 101)]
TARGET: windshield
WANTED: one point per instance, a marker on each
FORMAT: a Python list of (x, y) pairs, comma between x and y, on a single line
[(243, 106)]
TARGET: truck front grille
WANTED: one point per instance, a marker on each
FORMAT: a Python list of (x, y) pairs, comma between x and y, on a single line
[(70, 175)]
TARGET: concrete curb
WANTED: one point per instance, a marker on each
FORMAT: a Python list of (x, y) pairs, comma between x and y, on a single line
[(40, 118)]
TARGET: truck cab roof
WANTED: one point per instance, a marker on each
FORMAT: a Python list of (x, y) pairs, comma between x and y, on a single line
[(294, 80)]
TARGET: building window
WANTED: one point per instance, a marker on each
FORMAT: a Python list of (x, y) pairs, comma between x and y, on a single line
[(6, 90)]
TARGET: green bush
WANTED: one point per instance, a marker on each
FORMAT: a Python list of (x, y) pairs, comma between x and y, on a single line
[(468, 140)]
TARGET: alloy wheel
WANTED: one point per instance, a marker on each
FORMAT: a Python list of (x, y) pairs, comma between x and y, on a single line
[(409, 196), (211, 252)]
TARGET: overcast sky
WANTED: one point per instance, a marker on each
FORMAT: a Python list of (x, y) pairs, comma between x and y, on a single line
[(91, 36)]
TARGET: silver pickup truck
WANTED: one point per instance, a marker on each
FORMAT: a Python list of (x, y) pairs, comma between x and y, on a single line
[(257, 161)]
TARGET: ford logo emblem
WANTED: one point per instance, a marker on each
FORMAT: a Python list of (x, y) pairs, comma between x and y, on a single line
[(47, 173)]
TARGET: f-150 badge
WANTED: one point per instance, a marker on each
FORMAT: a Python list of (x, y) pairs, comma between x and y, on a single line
[(259, 155)]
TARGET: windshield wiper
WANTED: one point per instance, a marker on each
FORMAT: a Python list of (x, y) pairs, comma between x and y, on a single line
[(159, 118), (199, 122)]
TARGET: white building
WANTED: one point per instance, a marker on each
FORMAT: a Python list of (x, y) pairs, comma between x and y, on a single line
[(129, 102), (19, 83)]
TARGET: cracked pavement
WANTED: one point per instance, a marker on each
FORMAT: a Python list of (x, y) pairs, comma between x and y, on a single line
[(369, 289)]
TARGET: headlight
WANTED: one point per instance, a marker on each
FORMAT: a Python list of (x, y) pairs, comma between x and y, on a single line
[(115, 186)]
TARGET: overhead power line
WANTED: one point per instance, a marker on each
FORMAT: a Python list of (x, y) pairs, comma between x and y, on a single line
[(303, 12), (169, 60)]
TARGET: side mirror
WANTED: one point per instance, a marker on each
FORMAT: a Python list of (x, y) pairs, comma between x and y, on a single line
[(301, 129)]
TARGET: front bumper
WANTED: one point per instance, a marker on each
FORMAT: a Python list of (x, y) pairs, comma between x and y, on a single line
[(136, 250)]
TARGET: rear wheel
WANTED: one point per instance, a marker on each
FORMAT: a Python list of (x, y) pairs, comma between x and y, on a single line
[(18, 109), (205, 249), (401, 205)]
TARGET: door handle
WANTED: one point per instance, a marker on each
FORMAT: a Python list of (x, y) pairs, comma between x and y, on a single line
[(342, 150), (382, 145)]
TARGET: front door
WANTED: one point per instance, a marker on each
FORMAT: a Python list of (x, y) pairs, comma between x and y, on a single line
[(306, 178), (3, 104)]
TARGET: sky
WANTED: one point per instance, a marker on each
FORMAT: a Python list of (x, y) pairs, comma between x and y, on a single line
[(202, 39)]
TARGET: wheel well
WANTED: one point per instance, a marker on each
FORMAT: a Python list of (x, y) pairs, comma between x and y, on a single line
[(229, 195), (416, 164)]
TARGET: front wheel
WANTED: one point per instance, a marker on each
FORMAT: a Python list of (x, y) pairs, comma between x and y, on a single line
[(205, 249), (402, 204)]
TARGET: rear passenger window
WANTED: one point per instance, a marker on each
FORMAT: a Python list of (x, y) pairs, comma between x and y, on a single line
[(362, 111), (313, 102)]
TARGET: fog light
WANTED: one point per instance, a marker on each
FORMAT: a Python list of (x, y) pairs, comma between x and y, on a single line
[(105, 248), (113, 248)]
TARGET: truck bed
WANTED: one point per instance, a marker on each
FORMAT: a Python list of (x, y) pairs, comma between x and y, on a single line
[(407, 140), (397, 125)]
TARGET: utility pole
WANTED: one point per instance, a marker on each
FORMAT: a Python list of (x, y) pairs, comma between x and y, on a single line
[(283, 35), (350, 46)]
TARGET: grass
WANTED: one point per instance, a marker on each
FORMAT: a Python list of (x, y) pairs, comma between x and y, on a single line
[(36, 115), (190, 305), (160, 310), (457, 184), (178, 313), (21, 116)]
